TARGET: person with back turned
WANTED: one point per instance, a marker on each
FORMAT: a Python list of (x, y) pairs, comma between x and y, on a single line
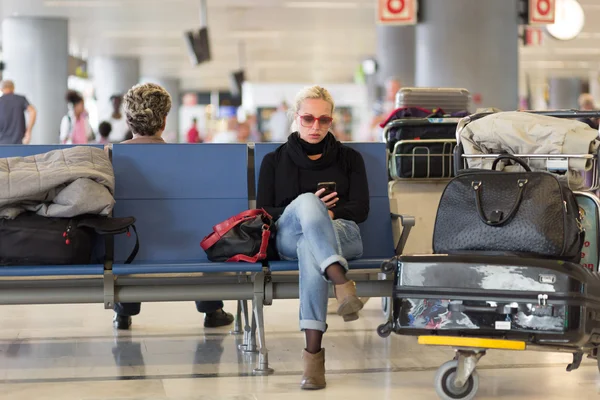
[(146, 108), (13, 129)]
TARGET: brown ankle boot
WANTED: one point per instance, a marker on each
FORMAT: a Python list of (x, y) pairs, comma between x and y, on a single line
[(348, 304), (314, 370)]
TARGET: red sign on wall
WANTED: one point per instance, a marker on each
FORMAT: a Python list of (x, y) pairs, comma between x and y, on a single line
[(542, 12), (533, 36), (397, 12)]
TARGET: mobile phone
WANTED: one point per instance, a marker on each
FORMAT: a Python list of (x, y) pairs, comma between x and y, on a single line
[(329, 187)]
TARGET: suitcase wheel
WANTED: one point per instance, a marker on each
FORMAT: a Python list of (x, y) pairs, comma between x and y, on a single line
[(384, 330), (446, 387)]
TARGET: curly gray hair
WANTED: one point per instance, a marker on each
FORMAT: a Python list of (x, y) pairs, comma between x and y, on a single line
[(146, 107)]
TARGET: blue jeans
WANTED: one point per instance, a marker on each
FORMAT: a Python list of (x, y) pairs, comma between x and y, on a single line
[(307, 234)]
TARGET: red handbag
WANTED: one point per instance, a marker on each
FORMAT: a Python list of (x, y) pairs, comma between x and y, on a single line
[(244, 237)]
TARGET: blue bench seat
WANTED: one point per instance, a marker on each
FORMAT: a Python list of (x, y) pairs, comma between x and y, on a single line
[(178, 267), (363, 263), (52, 270)]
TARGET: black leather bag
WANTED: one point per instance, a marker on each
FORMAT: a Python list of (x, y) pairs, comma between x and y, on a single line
[(243, 237), (522, 213)]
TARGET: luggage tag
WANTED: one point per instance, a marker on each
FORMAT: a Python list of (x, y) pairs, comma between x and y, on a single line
[(503, 325)]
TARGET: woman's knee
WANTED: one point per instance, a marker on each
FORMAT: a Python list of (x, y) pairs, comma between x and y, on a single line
[(308, 202), (310, 210)]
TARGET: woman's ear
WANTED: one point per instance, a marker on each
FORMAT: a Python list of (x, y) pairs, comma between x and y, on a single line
[(164, 126)]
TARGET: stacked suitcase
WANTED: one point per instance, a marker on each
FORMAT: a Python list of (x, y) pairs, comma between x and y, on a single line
[(448, 99)]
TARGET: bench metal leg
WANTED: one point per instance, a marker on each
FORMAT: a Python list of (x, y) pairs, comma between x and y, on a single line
[(249, 343), (109, 290), (237, 327), (262, 367), (258, 303)]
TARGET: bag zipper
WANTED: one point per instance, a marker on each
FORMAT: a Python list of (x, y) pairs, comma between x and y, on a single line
[(66, 234)]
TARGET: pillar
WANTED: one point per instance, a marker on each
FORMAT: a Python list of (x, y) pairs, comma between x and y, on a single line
[(470, 44), (396, 53), (172, 133), (36, 54), (564, 93), (112, 75)]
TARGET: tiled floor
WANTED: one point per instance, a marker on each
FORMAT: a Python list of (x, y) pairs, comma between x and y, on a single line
[(72, 353)]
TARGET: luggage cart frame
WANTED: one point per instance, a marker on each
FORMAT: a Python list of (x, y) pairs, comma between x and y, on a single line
[(447, 155)]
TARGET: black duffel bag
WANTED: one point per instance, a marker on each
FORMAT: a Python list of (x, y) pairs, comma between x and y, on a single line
[(31, 239), (521, 213)]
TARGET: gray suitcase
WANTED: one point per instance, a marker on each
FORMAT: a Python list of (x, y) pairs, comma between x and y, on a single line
[(448, 99)]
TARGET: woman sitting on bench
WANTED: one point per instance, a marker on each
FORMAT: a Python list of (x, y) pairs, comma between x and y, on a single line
[(316, 188), (146, 109)]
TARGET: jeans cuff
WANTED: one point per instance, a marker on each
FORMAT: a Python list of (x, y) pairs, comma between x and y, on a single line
[(314, 325), (331, 260)]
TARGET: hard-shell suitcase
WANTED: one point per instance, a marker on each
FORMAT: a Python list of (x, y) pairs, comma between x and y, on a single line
[(538, 301), (448, 99)]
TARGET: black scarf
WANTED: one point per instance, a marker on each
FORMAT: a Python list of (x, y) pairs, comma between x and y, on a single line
[(293, 156)]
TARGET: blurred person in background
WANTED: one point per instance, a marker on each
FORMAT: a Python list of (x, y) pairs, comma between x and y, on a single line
[(75, 127), (13, 107), (587, 103), (104, 130), (384, 108), (117, 120), (193, 135), (255, 135), (229, 135), (279, 124), (146, 109), (243, 133)]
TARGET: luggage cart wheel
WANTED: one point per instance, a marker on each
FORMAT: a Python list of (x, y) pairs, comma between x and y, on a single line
[(446, 387), (384, 330)]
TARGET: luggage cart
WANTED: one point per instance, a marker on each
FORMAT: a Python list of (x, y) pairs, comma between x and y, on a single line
[(458, 378)]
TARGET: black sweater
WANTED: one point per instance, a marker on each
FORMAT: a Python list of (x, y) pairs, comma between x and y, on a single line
[(350, 178)]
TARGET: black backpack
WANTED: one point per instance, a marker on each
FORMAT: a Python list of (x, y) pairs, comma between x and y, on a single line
[(31, 239)]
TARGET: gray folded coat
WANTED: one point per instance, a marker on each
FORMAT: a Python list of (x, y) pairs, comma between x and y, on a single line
[(61, 183)]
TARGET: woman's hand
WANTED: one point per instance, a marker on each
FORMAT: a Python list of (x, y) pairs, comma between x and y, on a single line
[(330, 200)]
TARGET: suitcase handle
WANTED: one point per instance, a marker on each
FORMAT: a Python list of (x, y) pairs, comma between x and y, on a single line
[(497, 310), (512, 158), (498, 219)]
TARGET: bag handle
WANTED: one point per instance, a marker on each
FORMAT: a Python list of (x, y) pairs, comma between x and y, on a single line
[(262, 252), (136, 248), (227, 225), (477, 186), (518, 160)]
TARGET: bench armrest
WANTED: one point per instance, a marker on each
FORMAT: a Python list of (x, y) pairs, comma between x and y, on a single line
[(407, 222)]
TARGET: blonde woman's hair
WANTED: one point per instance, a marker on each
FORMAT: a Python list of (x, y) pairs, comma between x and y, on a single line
[(146, 107), (311, 92)]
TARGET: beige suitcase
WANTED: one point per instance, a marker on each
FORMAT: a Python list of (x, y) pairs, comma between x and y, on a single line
[(448, 99)]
